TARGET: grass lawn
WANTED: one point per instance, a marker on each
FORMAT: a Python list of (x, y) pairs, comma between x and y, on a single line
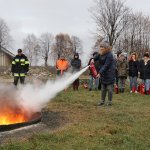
[(123, 126)]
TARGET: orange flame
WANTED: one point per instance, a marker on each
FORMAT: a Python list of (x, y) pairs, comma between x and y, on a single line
[(9, 116)]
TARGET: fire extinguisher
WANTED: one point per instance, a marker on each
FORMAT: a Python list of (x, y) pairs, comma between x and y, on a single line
[(133, 89), (139, 88), (142, 89), (116, 89), (93, 70)]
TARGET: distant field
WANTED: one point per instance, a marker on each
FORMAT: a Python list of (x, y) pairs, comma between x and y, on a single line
[(123, 126)]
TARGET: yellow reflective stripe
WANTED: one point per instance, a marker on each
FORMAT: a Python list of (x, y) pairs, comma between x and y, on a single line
[(22, 74), (16, 60), (22, 60), (13, 62), (22, 64), (26, 62), (16, 74)]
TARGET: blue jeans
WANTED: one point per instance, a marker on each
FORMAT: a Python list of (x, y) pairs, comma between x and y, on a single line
[(133, 83), (147, 84), (96, 82), (121, 82)]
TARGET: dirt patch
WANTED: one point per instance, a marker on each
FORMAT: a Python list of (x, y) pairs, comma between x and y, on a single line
[(51, 121)]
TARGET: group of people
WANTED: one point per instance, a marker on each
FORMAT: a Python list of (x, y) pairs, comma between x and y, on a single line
[(62, 65), (110, 70), (114, 71), (20, 67), (136, 69)]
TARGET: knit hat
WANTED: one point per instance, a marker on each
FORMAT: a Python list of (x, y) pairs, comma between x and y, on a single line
[(105, 44)]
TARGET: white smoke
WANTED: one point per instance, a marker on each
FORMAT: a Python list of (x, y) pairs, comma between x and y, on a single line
[(34, 97)]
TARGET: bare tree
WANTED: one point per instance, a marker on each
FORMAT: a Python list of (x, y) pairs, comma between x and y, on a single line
[(110, 17), (76, 44), (63, 46), (31, 48), (5, 38), (136, 38), (46, 42)]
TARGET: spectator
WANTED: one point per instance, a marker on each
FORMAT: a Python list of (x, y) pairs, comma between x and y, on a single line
[(91, 79), (122, 72), (133, 72), (62, 65), (76, 65), (116, 59), (144, 69)]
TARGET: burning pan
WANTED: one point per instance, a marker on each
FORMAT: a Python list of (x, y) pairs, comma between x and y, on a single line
[(33, 120)]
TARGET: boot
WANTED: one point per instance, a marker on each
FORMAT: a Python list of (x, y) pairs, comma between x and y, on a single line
[(120, 90)]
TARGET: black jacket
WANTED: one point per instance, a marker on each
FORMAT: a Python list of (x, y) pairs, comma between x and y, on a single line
[(20, 64), (133, 68), (144, 70), (76, 64)]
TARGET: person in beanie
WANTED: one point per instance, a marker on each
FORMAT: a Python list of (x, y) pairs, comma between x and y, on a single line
[(122, 67), (91, 79), (20, 67), (133, 72), (106, 72), (144, 69), (76, 65)]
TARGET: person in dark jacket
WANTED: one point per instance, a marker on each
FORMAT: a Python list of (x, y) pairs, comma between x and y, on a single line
[(91, 78), (122, 67), (76, 65), (20, 67), (144, 69), (106, 71), (133, 72)]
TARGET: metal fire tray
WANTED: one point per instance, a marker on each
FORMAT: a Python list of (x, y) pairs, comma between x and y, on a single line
[(36, 118)]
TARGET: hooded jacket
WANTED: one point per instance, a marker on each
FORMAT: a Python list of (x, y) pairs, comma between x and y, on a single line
[(76, 63), (122, 68)]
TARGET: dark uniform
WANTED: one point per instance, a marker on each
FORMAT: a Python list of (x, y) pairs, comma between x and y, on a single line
[(20, 66)]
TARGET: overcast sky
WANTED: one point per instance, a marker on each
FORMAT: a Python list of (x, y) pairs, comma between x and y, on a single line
[(67, 16)]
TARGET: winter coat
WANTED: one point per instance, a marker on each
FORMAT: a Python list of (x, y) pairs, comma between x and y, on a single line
[(122, 68), (76, 64), (133, 68), (20, 64), (144, 70), (62, 64), (107, 67)]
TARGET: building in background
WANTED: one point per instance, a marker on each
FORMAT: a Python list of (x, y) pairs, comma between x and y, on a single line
[(5, 58)]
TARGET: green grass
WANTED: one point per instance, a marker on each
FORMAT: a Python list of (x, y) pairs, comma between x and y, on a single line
[(124, 126)]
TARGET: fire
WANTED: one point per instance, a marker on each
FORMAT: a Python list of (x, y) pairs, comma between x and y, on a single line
[(11, 119), (12, 116)]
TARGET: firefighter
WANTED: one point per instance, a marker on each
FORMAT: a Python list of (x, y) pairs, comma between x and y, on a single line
[(20, 67)]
